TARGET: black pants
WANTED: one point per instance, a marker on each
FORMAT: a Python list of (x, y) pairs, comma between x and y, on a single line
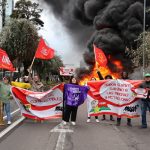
[(70, 111), (128, 120), (96, 117)]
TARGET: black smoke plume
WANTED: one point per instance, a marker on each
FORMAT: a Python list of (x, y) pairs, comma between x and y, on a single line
[(117, 24)]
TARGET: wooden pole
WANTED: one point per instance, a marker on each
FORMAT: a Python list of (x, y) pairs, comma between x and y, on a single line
[(1, 114), (32, 63), (30, 68)]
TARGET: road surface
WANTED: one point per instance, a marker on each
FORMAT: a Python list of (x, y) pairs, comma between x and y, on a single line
[(51, 135)]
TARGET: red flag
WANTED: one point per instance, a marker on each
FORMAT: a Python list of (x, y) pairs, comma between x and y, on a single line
[(43, 51), (5, 62), (100, 57)]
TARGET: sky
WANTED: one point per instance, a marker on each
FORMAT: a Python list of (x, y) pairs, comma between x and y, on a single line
[(60, 40)]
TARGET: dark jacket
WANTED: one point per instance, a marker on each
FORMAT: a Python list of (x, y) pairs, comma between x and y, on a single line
[(146, 85)]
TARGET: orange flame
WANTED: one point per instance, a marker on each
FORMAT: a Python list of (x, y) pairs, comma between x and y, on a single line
[(104, 71)]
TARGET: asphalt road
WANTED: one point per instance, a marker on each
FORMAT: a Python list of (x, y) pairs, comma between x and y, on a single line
[(49, 135)]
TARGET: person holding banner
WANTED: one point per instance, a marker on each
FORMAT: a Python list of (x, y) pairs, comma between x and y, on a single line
[(37, 86), (108, 77), (96, 117), (5, 96), (124, 76), (146, 101), (74, 95)]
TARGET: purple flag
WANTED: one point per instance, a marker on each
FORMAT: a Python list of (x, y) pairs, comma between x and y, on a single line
[(75, 95)]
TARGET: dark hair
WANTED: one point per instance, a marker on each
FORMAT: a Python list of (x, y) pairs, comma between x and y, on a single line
[(8, 78), (70, 81), (108, 77), (122, 76)]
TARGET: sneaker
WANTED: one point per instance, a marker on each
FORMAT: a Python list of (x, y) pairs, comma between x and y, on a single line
[(103, 119), (112, 119), (143, 127), (88, 120), (73, 123), (97, 120), (9, 122), (64, 123)]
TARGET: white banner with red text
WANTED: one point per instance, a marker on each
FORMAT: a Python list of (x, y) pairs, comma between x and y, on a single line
[(115, 97), (40, 105), (67, 71)]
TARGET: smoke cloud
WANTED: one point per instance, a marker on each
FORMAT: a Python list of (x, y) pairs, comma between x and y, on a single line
[(63, 10), (115, 25)]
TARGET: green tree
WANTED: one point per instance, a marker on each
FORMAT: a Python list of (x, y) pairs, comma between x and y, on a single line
[(49, 66), (142, 45), (28, 10), (3, 4), (20, 39)]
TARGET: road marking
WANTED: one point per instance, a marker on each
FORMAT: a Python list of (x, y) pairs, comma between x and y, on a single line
[(116, 128), (12, 113), (5, 131), (62, 130), (61, 141)]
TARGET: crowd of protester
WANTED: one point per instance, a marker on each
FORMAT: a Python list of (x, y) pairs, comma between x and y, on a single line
[(70, 112)]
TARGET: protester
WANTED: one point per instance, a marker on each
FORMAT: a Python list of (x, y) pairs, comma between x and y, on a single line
[(107, 77), (25, 79), (146, 101), (5, 96), (74, 95), (96, 117), (37, 85), (124, 76)]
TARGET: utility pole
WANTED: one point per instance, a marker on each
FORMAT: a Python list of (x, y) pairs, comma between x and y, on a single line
[(144, 24)]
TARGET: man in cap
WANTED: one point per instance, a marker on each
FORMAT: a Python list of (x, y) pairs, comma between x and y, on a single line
[(145, 101)]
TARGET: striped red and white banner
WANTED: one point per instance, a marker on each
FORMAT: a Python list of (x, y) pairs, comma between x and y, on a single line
[(40, 105)]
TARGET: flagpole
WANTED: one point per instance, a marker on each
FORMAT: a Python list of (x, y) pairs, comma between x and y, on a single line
[(144, 23), (31, 65)]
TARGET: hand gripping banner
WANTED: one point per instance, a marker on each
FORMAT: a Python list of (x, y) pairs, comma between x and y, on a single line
[(115, 97), (39, 105)]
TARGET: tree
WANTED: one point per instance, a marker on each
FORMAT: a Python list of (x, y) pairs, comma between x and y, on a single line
[(48, 66), (142, 45), (3, 4), (28, 10), (20, 39)]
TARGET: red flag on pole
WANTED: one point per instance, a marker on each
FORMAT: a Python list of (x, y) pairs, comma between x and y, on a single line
[(43, 51), (100, 57), (5, 62)]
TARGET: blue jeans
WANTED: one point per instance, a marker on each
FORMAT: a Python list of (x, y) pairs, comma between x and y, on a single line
[(145, 107), (7, 110)]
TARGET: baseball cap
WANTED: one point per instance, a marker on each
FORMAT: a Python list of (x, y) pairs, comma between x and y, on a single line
[(147, 75)]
